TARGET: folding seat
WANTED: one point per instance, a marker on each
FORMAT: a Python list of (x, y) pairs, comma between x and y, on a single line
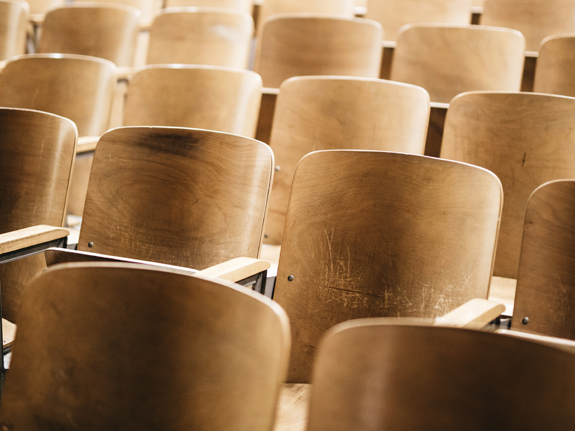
[(120, 346), (13, 22), (554, 72)]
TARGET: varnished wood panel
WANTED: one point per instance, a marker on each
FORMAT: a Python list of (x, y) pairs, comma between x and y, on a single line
[(448, 60), (204, 97), (374, 375), (238, 5), (13, 22), (328, 113), (536, 19), (185, 197), (546, 280), (372, 233), (555, 65), (526, 139), (116, 346), (297, 45)]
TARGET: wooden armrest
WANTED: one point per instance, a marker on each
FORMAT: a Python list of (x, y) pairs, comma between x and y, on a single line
[(474, 314), (390, 44), (531, 54), (37, 19), (270, 91), (235, 269), (87, 144), (30, 236), (124, 73), (8, 333), (3, 65), (439, 105), (477, 9), (559, 343)]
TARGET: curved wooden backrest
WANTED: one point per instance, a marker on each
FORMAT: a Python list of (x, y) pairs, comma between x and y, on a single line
[(448, 60), (40, 7), (344, 8), (210, 36), (185, 197), (370, 233), (117, 346), (103, 31), (330, 113), (146, 7), (546, 280), (238, 5), (554, 65), (536, 19), (394, 14), (76, 87), (296, 45), (526, 139), (203, 97), (377, 375), (13, 22)]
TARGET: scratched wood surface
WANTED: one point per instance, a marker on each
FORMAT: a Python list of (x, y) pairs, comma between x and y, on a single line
[(95, 338), (526, 139), (478, 58), (546, 280), (329, 113), (554, 65), (380, 375), (203, 97), (239, 5), (394, 14), (536, 19), (13, 22), (371, 234), (201, 36), (185, 197), (300, 44)]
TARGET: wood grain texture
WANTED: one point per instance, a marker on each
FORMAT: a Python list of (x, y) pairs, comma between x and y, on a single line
[(185, 197), (94, 339), (30, 236), (330, 113), (373, 234), (105, 31), (477, 58), (76, 87), (13, 22), (375, 375), (201, 36), (203, 97), (299, 44), (238, 5), (555, 65), (394, 14), (536, 19), (546, 280), (526, 139)]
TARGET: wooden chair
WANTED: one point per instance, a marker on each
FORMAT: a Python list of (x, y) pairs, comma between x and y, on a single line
[(377, 374), (536, 19), (103, 31), (526, 139), (296, 45), (448, 60), (116, 346), (36, 156), (13, 22), (38, 8), (201, 36), (555, 65), (237, 5), (323, 113), (394, 14), (204, 97), (353, 245), (147, 8)]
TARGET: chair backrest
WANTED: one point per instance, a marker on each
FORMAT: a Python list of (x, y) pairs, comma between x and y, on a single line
[(376, 375), (371, 233), (544, 302), (296, 45), (448, 60), (344, 8), (118, 346), (216, 37), (185, 197), (39, 7), (13, 22), (330, 113), (238, 5), (556, 60), (104, 31), (76, 87), (526, 139), (203, 97), (147, 8), (394, 14), (536, 19)]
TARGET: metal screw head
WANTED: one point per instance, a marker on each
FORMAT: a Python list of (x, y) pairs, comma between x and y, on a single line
[(290, 277), (525, 320), (90, 244), (277, 169)]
